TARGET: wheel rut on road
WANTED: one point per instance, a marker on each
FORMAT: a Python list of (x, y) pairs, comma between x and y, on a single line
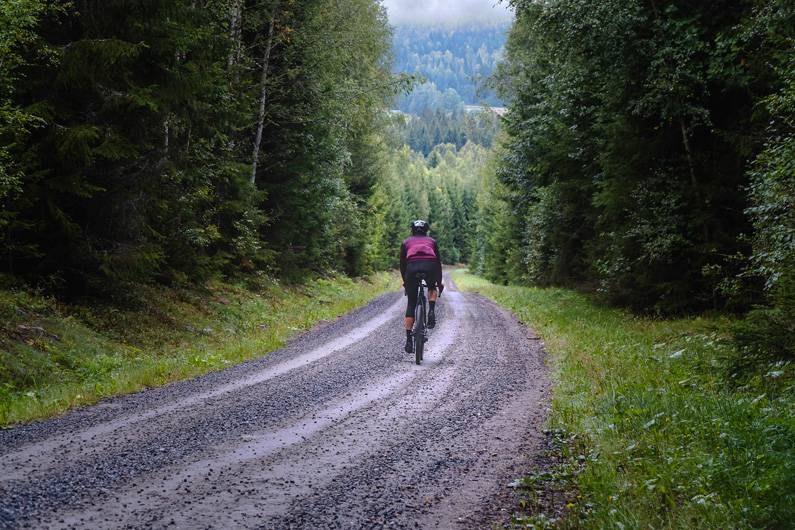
[(339, 429)]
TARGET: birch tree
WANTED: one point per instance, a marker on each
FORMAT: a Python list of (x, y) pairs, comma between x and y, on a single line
[(263, 98)]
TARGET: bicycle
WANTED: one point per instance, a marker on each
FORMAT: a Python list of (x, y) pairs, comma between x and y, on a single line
[(420, 331)]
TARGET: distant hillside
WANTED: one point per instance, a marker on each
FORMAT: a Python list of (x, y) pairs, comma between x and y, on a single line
[(455, 61)]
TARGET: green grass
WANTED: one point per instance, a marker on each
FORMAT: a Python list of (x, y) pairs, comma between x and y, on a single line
[(55, 357), (660, 431)]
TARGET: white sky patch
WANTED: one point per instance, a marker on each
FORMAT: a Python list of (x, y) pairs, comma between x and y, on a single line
[(447, 11)]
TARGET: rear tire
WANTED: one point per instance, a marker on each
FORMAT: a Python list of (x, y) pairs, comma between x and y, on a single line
[(419, 333)]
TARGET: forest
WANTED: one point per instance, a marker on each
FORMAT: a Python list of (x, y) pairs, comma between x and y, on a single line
[(186, 185), (432, 128), (455, 62), (648, 157), (173, 141)]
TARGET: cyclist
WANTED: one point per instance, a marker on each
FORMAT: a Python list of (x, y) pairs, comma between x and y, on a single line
[(420, 254)]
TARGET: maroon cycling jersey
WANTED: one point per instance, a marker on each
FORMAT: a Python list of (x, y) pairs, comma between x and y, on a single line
[(419, 248)]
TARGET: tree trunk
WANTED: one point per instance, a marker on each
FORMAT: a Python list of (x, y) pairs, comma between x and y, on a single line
[(688, 153), (166, 134), (235, 31), (263, 96)]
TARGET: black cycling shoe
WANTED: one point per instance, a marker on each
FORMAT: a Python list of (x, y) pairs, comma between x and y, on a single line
[(409, 344), (431, 320)]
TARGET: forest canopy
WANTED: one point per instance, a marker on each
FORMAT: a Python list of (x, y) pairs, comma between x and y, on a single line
[(631, 144), (147, 140)]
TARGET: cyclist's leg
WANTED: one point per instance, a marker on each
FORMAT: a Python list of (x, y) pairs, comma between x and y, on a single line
[(411, 304), (434, 283), (433, 295), (411, 295)]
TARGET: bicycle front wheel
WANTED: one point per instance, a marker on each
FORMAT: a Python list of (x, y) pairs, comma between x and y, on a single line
[(419, 332)]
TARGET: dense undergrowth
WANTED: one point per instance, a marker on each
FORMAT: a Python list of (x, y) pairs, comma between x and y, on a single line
[(660, 428), (55, 357)]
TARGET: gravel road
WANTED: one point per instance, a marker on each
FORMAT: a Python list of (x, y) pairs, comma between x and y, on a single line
[(339, 429)]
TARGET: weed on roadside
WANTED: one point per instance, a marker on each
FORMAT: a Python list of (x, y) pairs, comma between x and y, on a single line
[(548, 496)]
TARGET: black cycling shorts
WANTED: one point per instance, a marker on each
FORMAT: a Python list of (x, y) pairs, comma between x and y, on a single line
[(431, 270)]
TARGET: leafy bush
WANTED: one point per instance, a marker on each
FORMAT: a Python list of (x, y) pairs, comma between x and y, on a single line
[(770, 330)]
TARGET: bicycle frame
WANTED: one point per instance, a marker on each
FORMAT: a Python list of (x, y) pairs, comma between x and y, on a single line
[(421, 300)]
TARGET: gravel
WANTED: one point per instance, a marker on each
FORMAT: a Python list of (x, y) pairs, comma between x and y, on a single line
[(339, 429)]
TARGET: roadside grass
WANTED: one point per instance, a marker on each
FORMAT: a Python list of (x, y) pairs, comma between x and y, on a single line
[(55, 357), (661, 431)]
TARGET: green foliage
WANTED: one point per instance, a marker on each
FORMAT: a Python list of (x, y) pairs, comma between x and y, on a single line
[(495, 228), (440, 188), (323, 152), (627, 144), (773, 196), (659, 436), (20, 46), (431, 128), (770, 330)]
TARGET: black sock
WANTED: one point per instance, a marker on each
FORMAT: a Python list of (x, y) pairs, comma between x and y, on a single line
[(408, 333), (433, 305)]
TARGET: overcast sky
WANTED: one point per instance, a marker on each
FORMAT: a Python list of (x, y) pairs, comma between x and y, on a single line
[(452, 11)]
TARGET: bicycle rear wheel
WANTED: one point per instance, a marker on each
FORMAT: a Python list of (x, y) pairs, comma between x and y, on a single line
[(419, 330)]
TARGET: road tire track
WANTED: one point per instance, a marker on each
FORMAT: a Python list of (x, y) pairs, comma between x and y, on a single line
[(337, 430)]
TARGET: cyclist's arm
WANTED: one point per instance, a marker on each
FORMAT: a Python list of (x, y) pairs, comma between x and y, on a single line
[(439, 262), (403, 261)]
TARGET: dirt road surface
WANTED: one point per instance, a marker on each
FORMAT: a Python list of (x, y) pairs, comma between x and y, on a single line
[(340, 429)]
